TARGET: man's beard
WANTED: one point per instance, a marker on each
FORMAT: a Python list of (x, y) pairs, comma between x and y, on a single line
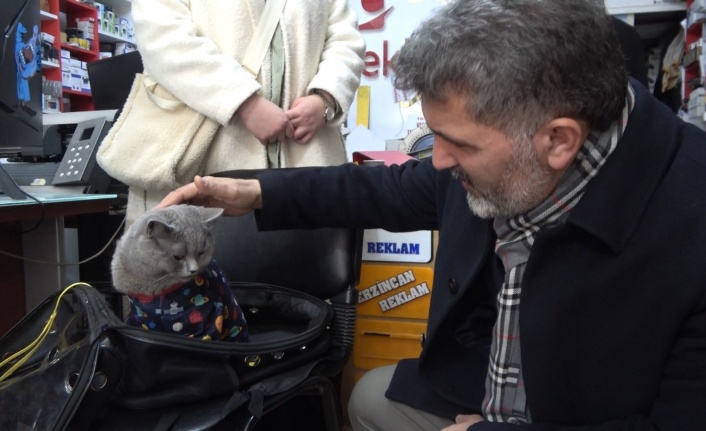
[(522, 186)]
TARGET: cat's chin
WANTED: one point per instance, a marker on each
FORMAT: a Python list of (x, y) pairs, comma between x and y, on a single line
[(181, 279), (176, 279), (164, 284)]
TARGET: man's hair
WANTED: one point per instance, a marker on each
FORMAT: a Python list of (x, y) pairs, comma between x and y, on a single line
[(521, 62)]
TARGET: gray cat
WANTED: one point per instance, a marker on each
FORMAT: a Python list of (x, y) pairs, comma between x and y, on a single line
[(164, 264)]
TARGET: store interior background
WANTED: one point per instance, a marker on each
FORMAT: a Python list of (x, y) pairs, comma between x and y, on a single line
[(381, 119)]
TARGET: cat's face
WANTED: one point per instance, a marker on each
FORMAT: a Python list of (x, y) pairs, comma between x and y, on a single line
[(163, 248), (179, 251)]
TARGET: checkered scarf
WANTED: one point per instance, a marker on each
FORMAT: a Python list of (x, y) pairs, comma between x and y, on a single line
[(505, 398)]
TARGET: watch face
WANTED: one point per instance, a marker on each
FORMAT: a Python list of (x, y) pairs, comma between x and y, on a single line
[(329, 113)]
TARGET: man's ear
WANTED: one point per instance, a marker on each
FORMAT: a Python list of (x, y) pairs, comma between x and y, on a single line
[(559, 140)]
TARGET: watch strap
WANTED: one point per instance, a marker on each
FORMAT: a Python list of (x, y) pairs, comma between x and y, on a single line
[(327, 105)]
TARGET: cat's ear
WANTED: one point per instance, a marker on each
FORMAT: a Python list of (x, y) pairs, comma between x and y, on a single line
[(156, 227), (209, 215)]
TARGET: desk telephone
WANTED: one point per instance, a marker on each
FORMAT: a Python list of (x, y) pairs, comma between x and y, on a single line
[(78, 166)]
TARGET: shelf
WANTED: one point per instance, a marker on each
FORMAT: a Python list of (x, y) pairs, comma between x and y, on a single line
[(106, 37), (117, 3), (75, 6), (692, 56), (46, 16), (76, 93), (74, 9), (49, 64), (78, 50), (648, 8)]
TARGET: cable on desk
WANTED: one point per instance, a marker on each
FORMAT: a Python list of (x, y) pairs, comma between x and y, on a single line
[(26, 259)]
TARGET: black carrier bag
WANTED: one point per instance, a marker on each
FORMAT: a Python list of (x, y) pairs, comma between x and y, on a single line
[(72, 364)]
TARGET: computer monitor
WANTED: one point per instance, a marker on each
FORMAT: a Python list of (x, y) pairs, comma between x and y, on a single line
[(20, 79), (111, 79)]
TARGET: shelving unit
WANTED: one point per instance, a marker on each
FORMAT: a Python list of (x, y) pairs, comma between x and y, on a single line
[(120, 8), (634, 7), (693, 72), (50, 25), (655, 19), (80, 100), (660, 15)]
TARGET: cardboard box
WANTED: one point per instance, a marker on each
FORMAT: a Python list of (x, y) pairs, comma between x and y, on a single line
[(85, 83), (109, 18), (124, 48), (47, 37), (100, 9), (123, 25), (76, 78), (66, 76), (86, 27)]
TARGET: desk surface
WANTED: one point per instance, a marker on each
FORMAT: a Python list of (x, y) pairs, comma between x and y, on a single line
[(55, 204), (47, 198)]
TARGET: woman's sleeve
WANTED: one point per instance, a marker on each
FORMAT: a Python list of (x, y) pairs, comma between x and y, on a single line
[(341, 63), (188, 64)]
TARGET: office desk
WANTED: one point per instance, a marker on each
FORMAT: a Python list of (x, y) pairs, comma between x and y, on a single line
[(24, 284)]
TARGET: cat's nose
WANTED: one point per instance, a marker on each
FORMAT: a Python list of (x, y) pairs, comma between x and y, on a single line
[(192, 266)]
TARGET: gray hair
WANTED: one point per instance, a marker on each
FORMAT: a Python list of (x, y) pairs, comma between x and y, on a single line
[(521, 62)]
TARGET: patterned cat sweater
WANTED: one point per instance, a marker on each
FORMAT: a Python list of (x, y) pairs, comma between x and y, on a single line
[(203, 307)]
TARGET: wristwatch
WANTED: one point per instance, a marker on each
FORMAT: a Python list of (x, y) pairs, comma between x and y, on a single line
[(329, 111)]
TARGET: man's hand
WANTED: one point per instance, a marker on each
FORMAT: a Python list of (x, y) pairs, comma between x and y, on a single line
[(463, 422), (235, 196)]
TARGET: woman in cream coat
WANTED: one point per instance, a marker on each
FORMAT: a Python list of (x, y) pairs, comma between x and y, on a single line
[(193, 48)]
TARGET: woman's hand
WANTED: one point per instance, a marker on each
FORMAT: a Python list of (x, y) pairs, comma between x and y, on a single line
[(307, 116), (265, 120)]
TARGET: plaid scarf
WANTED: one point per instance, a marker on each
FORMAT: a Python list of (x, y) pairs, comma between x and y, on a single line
[(505, 398)]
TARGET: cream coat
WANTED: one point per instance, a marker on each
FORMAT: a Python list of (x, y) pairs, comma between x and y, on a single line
[(193, 49)]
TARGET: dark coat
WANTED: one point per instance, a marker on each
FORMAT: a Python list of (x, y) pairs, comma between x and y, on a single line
[(613, 305)]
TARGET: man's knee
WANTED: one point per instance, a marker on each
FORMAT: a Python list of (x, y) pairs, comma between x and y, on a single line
[(369, 410), (368, 402)]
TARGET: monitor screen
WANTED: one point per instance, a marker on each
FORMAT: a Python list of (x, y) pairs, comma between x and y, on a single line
[(20, 78), (111, 79)]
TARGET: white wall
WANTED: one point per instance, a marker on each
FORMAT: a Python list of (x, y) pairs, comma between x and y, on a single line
[(393, 22)]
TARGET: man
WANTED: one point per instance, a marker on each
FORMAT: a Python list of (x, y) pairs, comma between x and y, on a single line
[(572, 295)]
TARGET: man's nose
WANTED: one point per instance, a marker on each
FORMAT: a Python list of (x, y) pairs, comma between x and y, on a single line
[(441, 158)]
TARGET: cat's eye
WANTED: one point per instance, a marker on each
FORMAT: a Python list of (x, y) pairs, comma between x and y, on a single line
[(178, 257), (201, 253)]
